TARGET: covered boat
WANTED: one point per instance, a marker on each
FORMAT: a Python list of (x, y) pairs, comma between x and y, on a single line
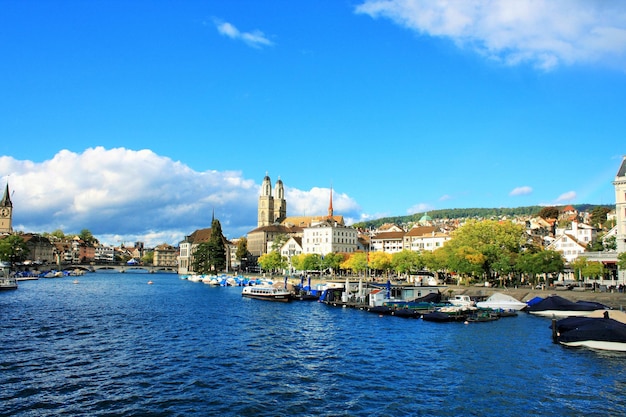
[(601, 333), (556, 306), (499, 301)]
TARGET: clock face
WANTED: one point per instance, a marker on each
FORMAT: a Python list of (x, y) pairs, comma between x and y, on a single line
[(4, 212)]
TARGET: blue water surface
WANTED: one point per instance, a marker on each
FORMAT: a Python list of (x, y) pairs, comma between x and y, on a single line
[(112, 345)]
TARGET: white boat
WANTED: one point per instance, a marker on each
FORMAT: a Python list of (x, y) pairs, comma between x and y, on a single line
[(8, 283), (499, 301), (266, 293), (461, 301)]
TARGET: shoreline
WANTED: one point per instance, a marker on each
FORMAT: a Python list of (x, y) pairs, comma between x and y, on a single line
[(615, 300)]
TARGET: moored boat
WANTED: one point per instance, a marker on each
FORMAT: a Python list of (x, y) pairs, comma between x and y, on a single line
[(502, 301), (556, 306), (8, 283), (602, 333), (462, 301), (266, 293), (407, 313)]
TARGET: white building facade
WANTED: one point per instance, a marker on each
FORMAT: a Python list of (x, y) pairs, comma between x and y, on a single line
[(329, 237)]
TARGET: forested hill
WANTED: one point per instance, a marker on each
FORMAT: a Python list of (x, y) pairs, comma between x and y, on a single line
[(464, 213)]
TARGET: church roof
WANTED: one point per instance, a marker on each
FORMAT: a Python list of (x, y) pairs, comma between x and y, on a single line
[(306, 221), (277, 228), (421, 231), (622, 169)]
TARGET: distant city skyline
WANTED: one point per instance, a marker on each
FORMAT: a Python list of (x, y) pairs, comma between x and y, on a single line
[(136, 120)]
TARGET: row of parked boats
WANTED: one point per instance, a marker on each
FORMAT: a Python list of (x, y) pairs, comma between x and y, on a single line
[(577, 324), (582, 323)]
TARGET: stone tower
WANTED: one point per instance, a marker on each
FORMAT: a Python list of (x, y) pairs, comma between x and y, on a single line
[(271, 209), (266, 203), (6, 212), (280, 204)]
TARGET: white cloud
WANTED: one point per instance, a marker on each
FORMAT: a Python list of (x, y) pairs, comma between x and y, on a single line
[(524, 190), (255, 38), (543, 33), (316, 201), (566, 197), (124, 195), (419, 208)]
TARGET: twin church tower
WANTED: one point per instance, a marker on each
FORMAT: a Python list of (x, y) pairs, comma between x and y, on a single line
[(272, 209)]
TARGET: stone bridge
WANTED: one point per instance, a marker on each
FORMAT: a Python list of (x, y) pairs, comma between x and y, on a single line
[(124, 268)]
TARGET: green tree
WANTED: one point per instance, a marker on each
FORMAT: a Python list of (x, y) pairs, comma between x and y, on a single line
[(216, 249), (312, 262), (621, 260), (610, 243), (333, 261), (549, 213), (272, 261), (201, 263), (380, 261), (406, 261), (593, 270), (242, 249), (86, 236), (579, 265), (148, 258), (279, 241), (13, 249), (356, 262), (598, 216), (485, 247)]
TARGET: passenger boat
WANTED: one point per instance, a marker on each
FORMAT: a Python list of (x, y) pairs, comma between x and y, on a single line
[(8, 283), (266, 293)]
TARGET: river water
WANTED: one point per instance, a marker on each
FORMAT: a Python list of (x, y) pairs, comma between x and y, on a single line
[(112, 345)]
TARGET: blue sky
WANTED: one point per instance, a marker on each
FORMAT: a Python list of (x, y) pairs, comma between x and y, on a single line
[(137, 119)]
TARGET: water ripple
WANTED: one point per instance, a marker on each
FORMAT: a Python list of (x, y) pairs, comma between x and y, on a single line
[(114, 346)]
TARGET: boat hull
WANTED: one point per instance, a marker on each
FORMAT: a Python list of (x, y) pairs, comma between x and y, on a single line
[(281, 298), (562, 313), (598, 345)]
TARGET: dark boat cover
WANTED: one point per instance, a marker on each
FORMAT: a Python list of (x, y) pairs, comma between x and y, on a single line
[(429, 298), (380, 310), (602, 329), (555, 302), (407, 312)]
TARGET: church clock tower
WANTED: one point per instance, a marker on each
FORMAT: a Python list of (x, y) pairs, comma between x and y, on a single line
[(6, 212)]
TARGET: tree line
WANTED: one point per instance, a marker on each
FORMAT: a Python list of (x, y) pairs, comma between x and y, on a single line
[(487, 250)]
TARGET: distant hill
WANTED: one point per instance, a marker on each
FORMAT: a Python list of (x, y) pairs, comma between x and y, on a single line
[(469, 213)]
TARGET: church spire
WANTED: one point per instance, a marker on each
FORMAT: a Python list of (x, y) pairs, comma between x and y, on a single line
[(6, 199), (330, 206)]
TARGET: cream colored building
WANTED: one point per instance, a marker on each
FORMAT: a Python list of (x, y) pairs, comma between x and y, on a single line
[(165, 255), (620, 212)]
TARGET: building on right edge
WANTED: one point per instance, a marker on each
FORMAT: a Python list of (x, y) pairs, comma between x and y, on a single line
[(620, 213)]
